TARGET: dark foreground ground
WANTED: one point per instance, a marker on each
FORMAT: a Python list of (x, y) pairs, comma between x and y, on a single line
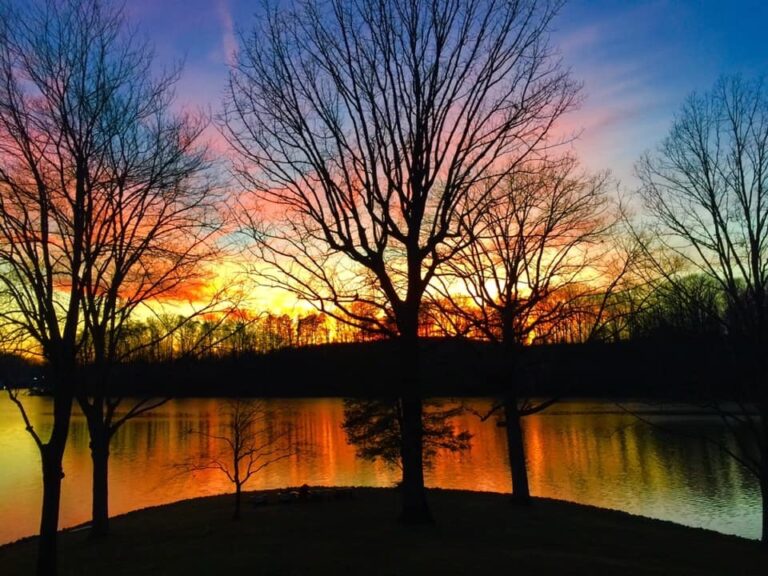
[(474, 533)]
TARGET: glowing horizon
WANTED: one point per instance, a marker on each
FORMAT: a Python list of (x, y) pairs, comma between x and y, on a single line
[(630, 93)]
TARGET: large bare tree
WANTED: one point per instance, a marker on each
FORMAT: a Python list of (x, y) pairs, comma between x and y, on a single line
[(705, 191), (51, 158), (151, 228), (540, 256), (365, 125), (104, 208)]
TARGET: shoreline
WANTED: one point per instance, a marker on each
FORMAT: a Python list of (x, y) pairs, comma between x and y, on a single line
[(450, 367), (272, 492), (362, 527), (629, 405)]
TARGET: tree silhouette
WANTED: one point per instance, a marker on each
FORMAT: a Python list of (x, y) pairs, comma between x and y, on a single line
[(53, 155), (706, 191), (150, 221), (142, 216), (367, 124), (538, 258), (669, 313), (373, 426), (248, 440)]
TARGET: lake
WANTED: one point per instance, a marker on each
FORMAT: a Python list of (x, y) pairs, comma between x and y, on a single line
[(582, 451)]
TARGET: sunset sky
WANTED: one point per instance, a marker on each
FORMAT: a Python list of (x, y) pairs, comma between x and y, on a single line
[(638, 59)]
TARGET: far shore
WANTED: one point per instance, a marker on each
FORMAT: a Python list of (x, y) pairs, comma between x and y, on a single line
[(354, 531), (683, 373)]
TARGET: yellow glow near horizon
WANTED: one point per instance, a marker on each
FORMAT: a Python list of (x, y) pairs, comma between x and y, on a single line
[(228, 285)]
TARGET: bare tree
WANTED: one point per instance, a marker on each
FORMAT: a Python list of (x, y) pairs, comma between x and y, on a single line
[(538, 259), (706, 192), (52, 154), (366, 124), (249, 440), (691, 314), (123, 180), (151, 229), (106, 409)]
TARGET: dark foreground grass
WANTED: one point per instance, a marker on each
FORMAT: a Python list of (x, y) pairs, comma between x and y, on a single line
[(474, 533)]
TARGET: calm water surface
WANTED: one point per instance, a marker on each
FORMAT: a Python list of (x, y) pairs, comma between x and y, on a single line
[(585, 452)]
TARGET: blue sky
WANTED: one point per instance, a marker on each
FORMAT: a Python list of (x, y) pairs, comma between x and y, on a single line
[(640, 59), (637, 59)]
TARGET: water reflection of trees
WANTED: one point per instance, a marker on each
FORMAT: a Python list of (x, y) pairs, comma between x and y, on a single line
[(373, 427), (606, 460)]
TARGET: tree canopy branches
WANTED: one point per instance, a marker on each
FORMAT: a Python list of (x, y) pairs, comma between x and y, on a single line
[(369, 124)]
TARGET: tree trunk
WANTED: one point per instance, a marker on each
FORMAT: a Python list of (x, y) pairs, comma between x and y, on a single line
[(764, 468), (100, 437), (415, 508), (764, 495), (516, 449), (100, 493), (762, 391), (49, 522), (238, 500), (51, 455)]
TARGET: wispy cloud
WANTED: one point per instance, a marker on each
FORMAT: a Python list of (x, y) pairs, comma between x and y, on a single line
[(228, 39), (627, 54)]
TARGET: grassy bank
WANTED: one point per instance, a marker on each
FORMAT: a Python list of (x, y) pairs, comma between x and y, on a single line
[(475, 533)]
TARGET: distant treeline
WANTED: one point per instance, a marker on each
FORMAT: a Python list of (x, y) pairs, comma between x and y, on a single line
[(451, 367), (657, 312), (652, 343)]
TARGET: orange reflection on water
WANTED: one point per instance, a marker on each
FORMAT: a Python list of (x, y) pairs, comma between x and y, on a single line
[(483, 466), (607, 460)]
